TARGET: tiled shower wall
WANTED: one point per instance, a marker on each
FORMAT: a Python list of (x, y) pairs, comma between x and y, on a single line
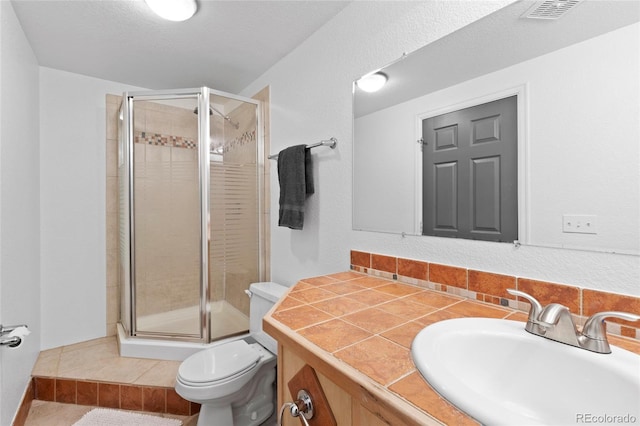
[(112, 207), (162, 140)]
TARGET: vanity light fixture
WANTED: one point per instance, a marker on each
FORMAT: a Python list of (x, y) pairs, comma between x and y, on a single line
[(173, 10), (372, 82)]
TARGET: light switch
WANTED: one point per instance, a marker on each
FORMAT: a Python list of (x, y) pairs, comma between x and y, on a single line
[(580, 224)]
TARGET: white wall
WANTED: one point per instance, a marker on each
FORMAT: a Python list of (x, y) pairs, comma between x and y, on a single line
[(582, 132), (73, 196), (311, 100), (19, 208)]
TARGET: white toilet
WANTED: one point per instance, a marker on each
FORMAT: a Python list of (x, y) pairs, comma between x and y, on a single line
[(234, 381)]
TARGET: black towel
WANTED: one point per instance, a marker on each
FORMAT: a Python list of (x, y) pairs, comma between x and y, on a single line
[(295, 174)]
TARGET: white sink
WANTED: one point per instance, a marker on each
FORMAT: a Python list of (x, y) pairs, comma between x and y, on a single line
[(499, 374)]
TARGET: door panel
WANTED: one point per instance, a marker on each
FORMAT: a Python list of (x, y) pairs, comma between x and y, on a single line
[(446, 138), (486, 129), (446, 205), (485, 196)]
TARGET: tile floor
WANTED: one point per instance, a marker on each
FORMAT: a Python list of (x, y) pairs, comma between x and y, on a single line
[(98, 363)]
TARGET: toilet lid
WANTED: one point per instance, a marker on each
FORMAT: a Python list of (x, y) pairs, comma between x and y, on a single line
[(219, 362)]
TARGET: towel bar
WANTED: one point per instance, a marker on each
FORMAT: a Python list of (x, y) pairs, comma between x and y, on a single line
[(331, 143)]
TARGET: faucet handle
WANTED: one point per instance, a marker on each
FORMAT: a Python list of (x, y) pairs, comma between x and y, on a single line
[(536, 307), (594, 327), (594, 332)]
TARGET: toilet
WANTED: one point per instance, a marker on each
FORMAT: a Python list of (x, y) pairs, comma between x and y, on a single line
[(234, 381)]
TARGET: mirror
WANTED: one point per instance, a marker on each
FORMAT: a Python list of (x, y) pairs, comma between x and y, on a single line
[(576, 79)]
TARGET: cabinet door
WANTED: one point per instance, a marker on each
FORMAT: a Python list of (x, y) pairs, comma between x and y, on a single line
[(339, 400)]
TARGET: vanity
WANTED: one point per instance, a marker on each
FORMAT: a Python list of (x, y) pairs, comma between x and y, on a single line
[(355, 331)]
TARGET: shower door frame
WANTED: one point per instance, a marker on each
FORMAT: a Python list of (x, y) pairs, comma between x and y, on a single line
[(202, 95)]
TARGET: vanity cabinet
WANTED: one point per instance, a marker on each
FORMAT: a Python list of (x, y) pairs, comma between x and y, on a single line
[(347, 409)]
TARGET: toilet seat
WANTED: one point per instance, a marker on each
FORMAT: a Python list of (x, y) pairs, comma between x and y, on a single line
[(220, 363)]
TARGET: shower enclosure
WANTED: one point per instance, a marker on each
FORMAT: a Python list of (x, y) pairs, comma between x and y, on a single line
[(190, 200)]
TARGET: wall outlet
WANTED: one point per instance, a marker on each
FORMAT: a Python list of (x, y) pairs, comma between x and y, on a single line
[(579, 224)]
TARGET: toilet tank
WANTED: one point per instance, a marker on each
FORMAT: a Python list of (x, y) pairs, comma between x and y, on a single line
[(263, 297)]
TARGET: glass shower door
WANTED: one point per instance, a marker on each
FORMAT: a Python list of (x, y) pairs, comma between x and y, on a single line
[(167, 217), (235, 213)]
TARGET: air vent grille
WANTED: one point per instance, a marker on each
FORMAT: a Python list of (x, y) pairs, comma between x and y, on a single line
[(550, 9)]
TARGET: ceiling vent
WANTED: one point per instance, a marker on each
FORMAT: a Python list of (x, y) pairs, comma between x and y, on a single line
[(550, 9)]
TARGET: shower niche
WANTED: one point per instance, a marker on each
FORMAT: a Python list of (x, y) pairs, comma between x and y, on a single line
[(190, 182)]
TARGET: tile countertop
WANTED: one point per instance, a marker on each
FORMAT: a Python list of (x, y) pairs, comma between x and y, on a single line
[(357, 330)]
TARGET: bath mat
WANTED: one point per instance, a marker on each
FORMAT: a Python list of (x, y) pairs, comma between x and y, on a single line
[(106, 417)]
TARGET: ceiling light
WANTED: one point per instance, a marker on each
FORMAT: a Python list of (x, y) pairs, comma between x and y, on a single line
[(173, 10), (372, 82)]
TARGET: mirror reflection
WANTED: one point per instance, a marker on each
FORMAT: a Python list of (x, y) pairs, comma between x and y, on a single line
[(575, 81)]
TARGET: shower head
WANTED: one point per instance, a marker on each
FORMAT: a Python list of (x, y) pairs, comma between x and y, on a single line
[(226, 117)]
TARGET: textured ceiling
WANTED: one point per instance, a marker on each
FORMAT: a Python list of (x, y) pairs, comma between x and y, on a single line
[(226, 45)]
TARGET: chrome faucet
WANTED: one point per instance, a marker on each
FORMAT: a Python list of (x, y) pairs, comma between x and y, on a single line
[(555, 322)]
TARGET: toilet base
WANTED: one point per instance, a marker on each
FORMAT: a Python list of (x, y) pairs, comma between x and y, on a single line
[(212, 415), (247, 407)]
